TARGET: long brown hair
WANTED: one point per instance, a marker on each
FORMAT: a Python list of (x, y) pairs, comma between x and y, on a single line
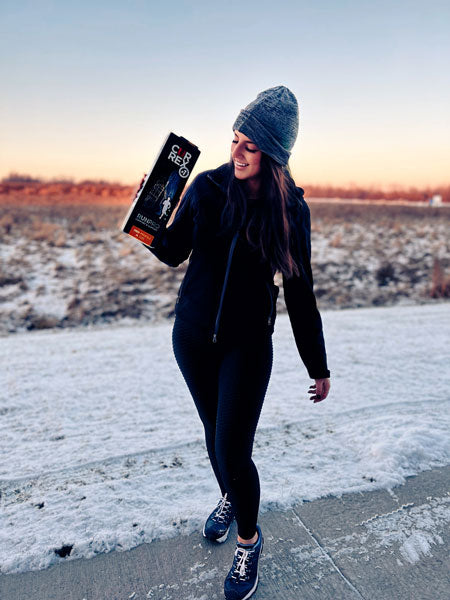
[(269, 228)]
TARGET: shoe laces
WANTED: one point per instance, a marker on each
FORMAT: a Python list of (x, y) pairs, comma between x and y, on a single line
[(242, 558), (223, 509)]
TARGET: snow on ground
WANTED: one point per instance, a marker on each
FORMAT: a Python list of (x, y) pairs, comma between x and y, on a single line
[(102, 447)]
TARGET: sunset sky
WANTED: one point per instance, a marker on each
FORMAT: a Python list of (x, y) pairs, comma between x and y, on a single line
[(91, 89)]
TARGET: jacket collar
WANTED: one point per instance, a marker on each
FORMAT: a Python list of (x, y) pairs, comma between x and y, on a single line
[(220, 176)]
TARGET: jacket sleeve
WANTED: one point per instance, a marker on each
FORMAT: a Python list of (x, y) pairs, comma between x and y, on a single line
[(174, 245), (301, 303)]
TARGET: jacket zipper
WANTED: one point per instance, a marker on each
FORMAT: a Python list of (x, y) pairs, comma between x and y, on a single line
[(180, 290), (230, 256), (269, 321)]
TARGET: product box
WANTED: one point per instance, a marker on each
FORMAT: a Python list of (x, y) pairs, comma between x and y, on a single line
[(161, 190)]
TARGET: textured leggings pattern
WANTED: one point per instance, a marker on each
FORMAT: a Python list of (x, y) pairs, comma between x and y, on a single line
[(228, 382)]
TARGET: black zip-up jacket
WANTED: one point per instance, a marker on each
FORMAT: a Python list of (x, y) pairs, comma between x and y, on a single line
[(227, 290)]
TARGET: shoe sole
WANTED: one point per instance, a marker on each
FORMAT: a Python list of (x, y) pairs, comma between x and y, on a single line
[(253, 590), (220, 540)]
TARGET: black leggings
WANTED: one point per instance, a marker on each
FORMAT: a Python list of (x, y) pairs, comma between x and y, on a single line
[(228, 382)]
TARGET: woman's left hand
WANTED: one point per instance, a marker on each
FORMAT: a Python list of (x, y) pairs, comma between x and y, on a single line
[(319, 390)]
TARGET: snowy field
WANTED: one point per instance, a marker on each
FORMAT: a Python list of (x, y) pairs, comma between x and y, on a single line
[(94, 458), (71, 266)]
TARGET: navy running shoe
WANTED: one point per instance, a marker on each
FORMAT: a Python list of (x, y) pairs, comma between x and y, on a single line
[(242, 579), (218, 523)]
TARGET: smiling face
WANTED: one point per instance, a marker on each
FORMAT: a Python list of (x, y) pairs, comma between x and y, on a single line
[(246, 157)]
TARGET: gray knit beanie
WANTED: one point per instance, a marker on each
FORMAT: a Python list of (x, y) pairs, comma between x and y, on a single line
[(271, 122)]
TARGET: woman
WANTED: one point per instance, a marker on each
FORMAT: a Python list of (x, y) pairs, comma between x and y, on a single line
[(239, 224)]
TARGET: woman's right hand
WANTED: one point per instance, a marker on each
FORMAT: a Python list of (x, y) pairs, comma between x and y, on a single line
[(140, 185)]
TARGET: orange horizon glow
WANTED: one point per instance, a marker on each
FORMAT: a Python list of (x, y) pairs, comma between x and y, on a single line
[(313, 166)]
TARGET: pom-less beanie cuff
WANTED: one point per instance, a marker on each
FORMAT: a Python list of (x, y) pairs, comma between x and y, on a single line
[(249, 125)]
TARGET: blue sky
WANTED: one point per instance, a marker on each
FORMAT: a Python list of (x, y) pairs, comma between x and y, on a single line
[(90, 89)]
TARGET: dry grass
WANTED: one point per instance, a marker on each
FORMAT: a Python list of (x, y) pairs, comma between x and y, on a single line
[(440, 283), (24, 188), (42, 222), (22, 219), (383, 214), (74, 263)]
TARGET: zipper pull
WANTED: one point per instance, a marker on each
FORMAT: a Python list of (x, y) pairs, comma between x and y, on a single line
[(269, 321), (214, 338)]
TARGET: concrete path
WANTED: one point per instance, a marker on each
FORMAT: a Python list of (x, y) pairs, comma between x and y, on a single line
[(372, 546)]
